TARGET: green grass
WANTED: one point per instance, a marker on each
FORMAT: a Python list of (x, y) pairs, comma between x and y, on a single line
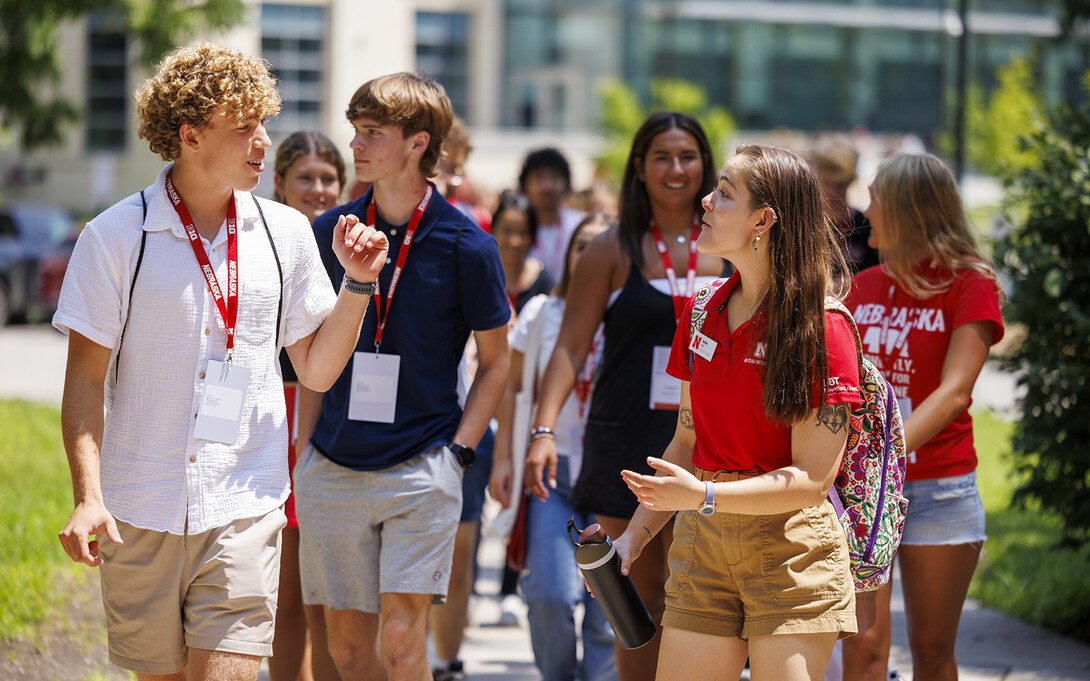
[(36, 495), (1023, 571)]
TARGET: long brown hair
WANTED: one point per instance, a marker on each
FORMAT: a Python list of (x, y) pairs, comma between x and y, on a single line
[(594, 218), (922, 213), (302, 143), (635, 208), (802, 248)]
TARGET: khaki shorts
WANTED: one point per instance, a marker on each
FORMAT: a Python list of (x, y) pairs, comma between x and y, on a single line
[(743, 576), (165, 593)]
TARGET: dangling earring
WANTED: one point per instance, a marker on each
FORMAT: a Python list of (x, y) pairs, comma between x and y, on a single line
[(756, 240)]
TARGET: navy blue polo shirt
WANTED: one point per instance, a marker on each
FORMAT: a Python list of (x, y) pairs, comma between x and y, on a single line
[(426, 327)]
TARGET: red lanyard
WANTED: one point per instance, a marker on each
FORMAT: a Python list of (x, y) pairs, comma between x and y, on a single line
[(582, 384), (671, 275), (229, 307), (406, 242)]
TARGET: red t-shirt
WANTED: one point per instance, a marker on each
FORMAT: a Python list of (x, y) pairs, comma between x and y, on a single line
[(907, 339), (732, 431)]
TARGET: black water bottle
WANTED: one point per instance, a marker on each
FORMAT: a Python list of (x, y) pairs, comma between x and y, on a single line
[(601, 567)]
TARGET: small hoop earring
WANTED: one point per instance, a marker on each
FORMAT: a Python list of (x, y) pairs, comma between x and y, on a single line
[(756, 240)]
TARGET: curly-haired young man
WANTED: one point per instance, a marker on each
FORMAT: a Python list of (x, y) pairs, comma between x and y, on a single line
[(176, 304)]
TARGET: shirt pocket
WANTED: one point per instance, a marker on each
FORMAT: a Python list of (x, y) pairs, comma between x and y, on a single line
[(259, 306)]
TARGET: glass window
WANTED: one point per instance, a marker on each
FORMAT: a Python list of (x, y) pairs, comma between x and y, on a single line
[(442, 52), (292, 40), (107, 90)]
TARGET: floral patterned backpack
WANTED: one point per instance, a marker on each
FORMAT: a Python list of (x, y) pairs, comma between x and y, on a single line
[(868, 493)]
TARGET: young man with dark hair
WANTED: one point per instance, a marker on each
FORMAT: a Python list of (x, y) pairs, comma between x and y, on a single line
[(176, 303), (379, 489), (545, 179)]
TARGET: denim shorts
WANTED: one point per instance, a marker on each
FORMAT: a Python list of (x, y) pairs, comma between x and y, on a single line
[(475, 480), (944, 511)]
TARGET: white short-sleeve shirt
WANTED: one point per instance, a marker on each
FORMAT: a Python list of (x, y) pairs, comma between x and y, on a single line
[(154, 474)]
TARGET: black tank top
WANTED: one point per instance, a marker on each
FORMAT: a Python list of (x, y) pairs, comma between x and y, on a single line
[(622, 430)]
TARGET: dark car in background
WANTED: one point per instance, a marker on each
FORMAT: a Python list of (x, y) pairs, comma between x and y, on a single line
[(29, 232)]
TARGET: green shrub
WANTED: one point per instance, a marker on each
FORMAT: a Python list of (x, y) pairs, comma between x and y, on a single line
[(1047, 255)]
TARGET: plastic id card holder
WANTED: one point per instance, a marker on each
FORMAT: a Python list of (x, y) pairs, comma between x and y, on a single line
[(665, 389), (220, 414), (374, 387)]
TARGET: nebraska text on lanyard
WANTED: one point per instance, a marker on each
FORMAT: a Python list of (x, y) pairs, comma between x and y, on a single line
[(668, 265), (228, 308), (406, 242)]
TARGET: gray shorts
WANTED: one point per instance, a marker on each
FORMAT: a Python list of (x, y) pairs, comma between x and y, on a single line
[(366, 533)]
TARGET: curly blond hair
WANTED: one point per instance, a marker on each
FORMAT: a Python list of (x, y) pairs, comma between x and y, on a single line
[(192, 83)]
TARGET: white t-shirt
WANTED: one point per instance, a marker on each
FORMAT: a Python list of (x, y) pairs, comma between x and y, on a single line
[(551, 243), (155, 474)]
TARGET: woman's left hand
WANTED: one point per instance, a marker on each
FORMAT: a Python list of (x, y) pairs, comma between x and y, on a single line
[(673, 489)]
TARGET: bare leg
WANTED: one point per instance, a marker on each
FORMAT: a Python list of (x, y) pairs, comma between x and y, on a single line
[(935, 580), (648, 574), (790, 657), (323, 668), (353, 644), (448, 622), (403, 636), (290, 644), (690, 655), (213, 665), (866, 655)]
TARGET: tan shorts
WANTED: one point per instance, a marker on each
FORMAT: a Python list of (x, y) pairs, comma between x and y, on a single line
[(165, 593), (743, 576)]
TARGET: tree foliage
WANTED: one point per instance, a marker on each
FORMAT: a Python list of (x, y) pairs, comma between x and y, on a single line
[(622, 114), (1047, 255), (995, 125), (30, 67)]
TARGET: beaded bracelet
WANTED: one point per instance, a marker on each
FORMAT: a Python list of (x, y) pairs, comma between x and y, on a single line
[(540, 432)]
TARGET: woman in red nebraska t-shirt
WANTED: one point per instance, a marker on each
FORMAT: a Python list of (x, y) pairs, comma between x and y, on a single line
[(759, 563), (927, 317)]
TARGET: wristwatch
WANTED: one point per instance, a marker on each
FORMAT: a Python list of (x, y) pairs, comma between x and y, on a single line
[(360, 287), (708, 508), (465, 456)]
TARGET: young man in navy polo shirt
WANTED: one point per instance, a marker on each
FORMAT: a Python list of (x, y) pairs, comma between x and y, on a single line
[(379, 489)]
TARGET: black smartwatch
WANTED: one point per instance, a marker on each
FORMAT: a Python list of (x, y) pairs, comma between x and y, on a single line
[(465, 456)]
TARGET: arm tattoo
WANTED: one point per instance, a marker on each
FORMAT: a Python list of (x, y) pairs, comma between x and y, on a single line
[(834, 417), (686, 416)]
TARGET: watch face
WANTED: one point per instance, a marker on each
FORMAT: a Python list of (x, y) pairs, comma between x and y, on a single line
[(466, 456), (706, 509)]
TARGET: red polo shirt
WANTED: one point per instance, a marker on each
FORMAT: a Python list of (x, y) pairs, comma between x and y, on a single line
[(732, 431), (907, 338)]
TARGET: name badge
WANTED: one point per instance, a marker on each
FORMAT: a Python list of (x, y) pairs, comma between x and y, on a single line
[(665, 389), (702, 345), (373, 395), (220, 413)]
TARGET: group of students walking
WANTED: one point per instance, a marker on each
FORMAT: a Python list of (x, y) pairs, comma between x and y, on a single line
[(706, 455)]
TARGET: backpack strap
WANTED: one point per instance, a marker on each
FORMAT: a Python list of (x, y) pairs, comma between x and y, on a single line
[(279, 270), (132, 284), (700, 300)]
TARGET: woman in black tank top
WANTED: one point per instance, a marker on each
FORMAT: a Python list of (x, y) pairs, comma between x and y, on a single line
[(670, 167)]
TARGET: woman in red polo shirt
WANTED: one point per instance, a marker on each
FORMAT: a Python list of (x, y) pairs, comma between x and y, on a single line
[(927, 317), (759, 564)]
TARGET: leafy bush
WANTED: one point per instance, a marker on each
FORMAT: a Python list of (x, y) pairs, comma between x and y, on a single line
[(1047, 255)]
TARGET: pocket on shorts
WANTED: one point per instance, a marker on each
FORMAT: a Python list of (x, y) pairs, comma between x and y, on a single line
[(682, 552), (958, 487), (803, 555)]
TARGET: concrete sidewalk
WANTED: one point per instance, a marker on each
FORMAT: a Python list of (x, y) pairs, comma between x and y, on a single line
[(991, 646)]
